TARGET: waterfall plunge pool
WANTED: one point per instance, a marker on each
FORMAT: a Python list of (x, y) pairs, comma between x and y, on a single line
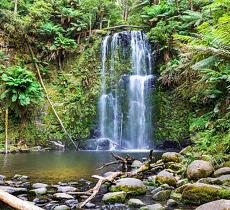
[(55, 166)]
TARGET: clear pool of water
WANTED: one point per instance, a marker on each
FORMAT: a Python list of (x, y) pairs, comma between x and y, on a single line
[(55, 166)]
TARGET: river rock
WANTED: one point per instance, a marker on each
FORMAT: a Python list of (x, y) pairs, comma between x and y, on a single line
[(153, 207), (222, 171), (136, 164), (2, 177), (72, 203), (156, 190), (162, 195), (65, 189), (61, 207), (171, 157), (215, 205), (171, 203), (133, 202), (199, 169), (114, 197), (132, 185), (199, 193), (221, 180), (63, 196), (165, 177), (90, 205), (39, 185), (20, 177), (13, 190), (39, 191)]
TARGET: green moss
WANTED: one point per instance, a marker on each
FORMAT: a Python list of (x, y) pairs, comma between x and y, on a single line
[(176, 196), (199, 195), (129, 189), (114, 197), (166, 180)]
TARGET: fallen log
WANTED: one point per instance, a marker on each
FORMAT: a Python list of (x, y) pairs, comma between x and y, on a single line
[(16, 203)]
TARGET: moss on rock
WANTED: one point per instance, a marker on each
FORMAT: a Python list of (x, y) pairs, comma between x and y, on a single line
[(201, 193), (115, 197)]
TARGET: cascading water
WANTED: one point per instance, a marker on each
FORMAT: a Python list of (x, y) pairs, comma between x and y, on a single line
[(124, 106)]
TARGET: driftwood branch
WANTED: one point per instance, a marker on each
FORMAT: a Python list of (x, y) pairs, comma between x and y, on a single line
[(96, 189), (16, 203), (108, 164)]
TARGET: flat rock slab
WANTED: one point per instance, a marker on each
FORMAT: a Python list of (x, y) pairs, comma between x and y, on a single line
[(215, 205)]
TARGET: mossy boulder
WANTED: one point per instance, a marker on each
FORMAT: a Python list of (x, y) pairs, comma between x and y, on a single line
[(200, 193), (114, 197), (217, 205), (162, 195), (199, 169), (131, 185), (165, 177), (171, 157)]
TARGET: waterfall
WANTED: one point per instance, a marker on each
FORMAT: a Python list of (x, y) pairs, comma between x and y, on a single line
[(125, 110)]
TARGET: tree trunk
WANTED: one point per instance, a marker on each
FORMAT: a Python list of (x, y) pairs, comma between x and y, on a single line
[(16, 203), (6, 131), (48, 98)]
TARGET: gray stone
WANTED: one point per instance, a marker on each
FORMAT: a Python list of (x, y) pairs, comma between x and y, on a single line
[(215, 205), (222, 171), (156, 190), (39, 191), (62, 207), (115, 197), (39, 185), (136, 164), (153, 207), (13, 190), (199, 169), (63, 196), (171, 203), (133, 202), (90, 205), (65, 189), (72, 203), (2, 177)]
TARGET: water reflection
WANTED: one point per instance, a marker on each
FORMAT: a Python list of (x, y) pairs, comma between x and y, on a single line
[(58, 166)]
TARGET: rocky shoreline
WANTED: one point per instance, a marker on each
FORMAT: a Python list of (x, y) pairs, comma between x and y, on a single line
[(173, 182)]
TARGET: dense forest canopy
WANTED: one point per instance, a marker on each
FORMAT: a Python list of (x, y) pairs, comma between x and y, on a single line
[(191, 46)]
